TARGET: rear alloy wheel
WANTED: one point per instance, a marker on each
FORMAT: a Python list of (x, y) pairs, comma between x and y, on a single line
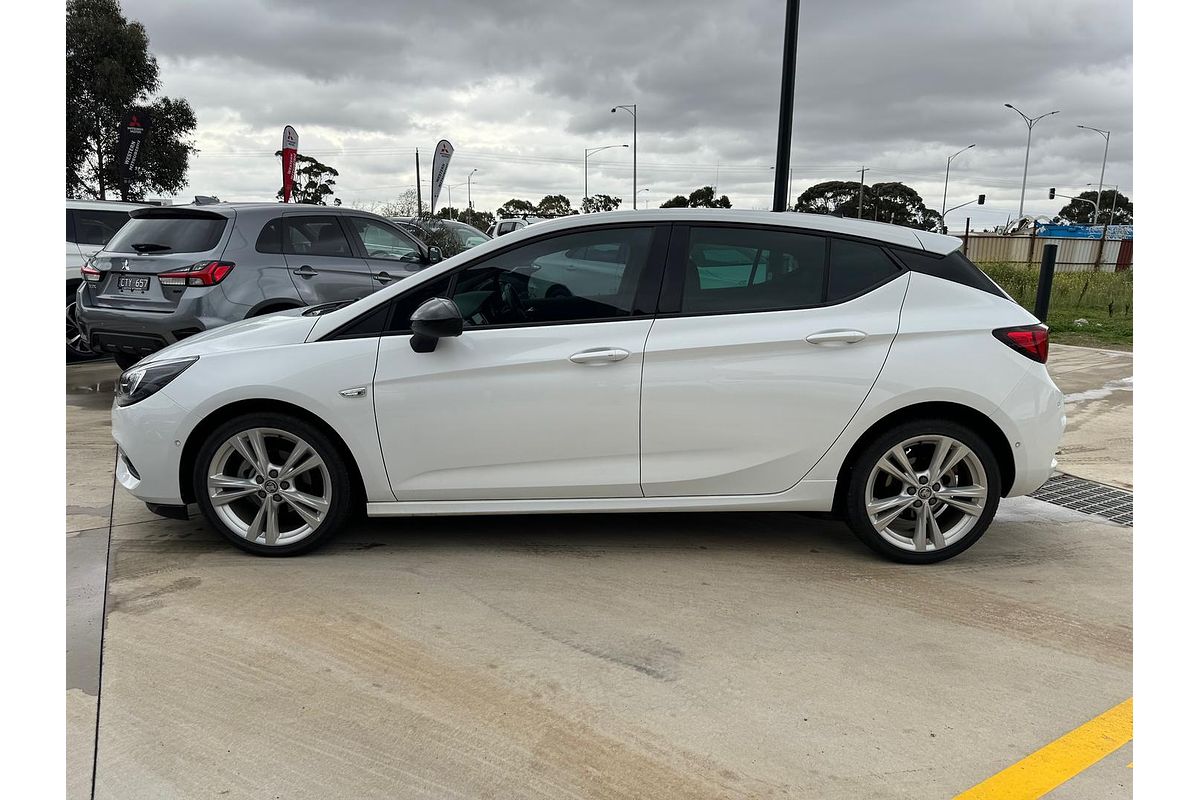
[(77, 348), (273, 484), (924, 492)]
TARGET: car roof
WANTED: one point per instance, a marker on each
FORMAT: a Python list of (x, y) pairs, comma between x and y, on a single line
[(824, 223)]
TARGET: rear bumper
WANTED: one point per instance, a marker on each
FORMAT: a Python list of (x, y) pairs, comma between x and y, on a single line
[(1036, 410), (137, 332)]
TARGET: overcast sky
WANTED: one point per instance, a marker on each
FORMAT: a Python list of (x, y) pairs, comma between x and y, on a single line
[(522, 87)]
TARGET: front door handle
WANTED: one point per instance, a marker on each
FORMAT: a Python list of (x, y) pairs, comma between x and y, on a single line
[(305, 271), (835, 337), (600, 355), (383, 277)]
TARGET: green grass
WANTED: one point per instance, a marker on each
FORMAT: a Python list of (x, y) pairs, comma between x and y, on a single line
[(1104, 299)]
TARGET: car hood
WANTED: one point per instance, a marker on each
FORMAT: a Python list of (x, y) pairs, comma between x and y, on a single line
[(283, 327)]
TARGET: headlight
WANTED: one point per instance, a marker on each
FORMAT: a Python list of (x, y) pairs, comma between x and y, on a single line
[(141, 381)]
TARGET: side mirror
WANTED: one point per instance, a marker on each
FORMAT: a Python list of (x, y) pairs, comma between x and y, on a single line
[(435, 255), (436, 318)]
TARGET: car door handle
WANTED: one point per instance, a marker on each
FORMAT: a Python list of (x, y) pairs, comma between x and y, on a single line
[(835, 337), (305, 271), (383, 277), (600, 355)]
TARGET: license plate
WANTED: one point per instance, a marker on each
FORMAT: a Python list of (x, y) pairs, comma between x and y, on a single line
[(133, 283)]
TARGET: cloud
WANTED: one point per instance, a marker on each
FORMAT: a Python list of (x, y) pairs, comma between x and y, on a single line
[(522, 88)]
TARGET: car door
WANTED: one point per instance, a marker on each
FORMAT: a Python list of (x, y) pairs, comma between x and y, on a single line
[(766, 344), (323, 264), (390, 253), (538, 398)]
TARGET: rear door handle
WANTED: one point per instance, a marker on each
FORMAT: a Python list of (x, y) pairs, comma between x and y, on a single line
[(600, 355), (835, 337), (305, 271)]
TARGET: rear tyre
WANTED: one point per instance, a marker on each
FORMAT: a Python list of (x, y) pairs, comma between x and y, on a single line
[(272, 484), (923, 491), (125, 360), (77, 346)]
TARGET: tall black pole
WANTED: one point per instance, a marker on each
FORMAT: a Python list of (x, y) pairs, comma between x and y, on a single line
[(417, 154), (787, 101), (1041, 307)]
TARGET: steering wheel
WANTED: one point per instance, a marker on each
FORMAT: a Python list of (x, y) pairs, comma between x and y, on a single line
[(510, 302)]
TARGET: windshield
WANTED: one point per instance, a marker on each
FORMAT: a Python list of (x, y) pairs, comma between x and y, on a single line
[(466, 235), (158, 235)]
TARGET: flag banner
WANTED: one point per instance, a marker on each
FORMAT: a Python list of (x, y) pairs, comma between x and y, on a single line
[(291, 141), (134, 128), (441, 162)]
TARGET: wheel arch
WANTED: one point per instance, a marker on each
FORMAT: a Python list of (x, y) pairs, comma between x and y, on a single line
[(976, 420), (195, 439)]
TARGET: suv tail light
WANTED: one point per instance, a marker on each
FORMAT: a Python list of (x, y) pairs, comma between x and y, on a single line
[(1031, 341), (202, 273), (90, 273)]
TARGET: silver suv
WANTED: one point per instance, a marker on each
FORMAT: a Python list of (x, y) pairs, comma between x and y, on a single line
[(173, 272)]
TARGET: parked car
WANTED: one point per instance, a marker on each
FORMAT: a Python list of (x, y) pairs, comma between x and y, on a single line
[(445, 233), (174, 272), (90, 224), (510, 224), (732, 360)]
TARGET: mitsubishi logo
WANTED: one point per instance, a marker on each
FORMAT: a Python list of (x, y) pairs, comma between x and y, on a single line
[(125, 264)]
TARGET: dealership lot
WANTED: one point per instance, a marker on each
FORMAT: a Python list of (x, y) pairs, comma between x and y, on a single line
[(685, 655)]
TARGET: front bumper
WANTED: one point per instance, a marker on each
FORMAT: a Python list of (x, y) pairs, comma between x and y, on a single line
[(150, 437)]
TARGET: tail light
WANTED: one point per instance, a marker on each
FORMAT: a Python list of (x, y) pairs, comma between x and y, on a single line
[(1031, 341), (90, 273), (202, 273)]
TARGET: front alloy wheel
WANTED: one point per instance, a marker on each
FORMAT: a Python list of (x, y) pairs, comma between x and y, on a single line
[(272, 484), (924, 492)]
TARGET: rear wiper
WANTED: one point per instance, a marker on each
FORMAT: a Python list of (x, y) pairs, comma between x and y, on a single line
[(150, 247)]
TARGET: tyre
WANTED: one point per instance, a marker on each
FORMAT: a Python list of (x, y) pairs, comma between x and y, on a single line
[(126, 360), (923, 491), (77, 348), (273, 484)]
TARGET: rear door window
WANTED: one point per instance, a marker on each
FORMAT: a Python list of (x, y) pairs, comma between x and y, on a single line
[(732, 270), (98, 227), (315, 236), (169, 233)]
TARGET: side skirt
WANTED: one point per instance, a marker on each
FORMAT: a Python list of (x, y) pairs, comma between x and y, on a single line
[(804, 496)]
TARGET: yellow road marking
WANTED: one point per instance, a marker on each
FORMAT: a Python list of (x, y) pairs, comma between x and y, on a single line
[(1061, 760)]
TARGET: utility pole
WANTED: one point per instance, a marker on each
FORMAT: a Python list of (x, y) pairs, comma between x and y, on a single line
[(862, 177), (787, 104), (420, 210)]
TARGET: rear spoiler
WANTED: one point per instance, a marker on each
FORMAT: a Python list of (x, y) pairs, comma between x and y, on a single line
[(174, 212)]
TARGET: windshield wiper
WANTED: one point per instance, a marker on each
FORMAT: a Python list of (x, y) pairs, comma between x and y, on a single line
[(150, 247)]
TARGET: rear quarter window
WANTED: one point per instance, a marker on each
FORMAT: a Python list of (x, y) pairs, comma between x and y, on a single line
[(855, 267), (952, 267)]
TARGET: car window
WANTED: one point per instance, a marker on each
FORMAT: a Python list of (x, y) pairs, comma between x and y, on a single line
[(746, 269), (314, 236), (165, 232), (98, 227), (270, 239), (383, 241), (545, 281), (506, 227), (855, 267)]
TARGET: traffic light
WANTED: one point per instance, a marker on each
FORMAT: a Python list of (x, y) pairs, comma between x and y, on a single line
[(981, 198), (1051, 194)]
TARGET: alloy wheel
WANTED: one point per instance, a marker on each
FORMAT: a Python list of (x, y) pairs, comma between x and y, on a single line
[(75, 340), (926, 493), (269, 486)]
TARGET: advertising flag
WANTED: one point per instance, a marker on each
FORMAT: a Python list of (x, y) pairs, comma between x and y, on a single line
[(290, 142), (441, 162), (135, 126)]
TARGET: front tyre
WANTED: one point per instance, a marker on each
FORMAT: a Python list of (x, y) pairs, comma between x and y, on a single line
[(273, 484), (923, 491)]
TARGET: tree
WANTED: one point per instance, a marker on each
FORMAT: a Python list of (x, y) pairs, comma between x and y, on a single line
[(600, 202), (704, 197), (449, 212), (479, 219), (890, 202), (314, 181), (1078, 212), (555, 205), (830, 197), (516, 208), (405, 205), (110, 70)]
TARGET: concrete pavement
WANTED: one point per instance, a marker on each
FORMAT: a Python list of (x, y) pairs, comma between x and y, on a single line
[(691, 655)]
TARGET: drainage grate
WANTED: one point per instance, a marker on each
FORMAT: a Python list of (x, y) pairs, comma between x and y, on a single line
[(1089, 497)]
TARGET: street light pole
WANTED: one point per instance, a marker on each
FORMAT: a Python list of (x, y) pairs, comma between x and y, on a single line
[(862, 177), (588, 152), (470, 206), (1028, 143), (946, 187), (632, 109), (1103, 164)]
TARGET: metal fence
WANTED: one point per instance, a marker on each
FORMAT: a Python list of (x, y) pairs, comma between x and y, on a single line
[(1074, 255)]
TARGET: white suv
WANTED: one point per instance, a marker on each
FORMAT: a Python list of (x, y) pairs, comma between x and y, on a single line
[(510, 224), (90, 224)]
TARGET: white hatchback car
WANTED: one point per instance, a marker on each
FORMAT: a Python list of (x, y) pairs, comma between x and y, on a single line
[(732, 361)]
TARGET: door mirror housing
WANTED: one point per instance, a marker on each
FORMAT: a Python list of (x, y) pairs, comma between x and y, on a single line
[(436, 318), (435, 255)]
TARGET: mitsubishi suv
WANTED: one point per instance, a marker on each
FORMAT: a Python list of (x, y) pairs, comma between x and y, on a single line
[(176, 271)]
